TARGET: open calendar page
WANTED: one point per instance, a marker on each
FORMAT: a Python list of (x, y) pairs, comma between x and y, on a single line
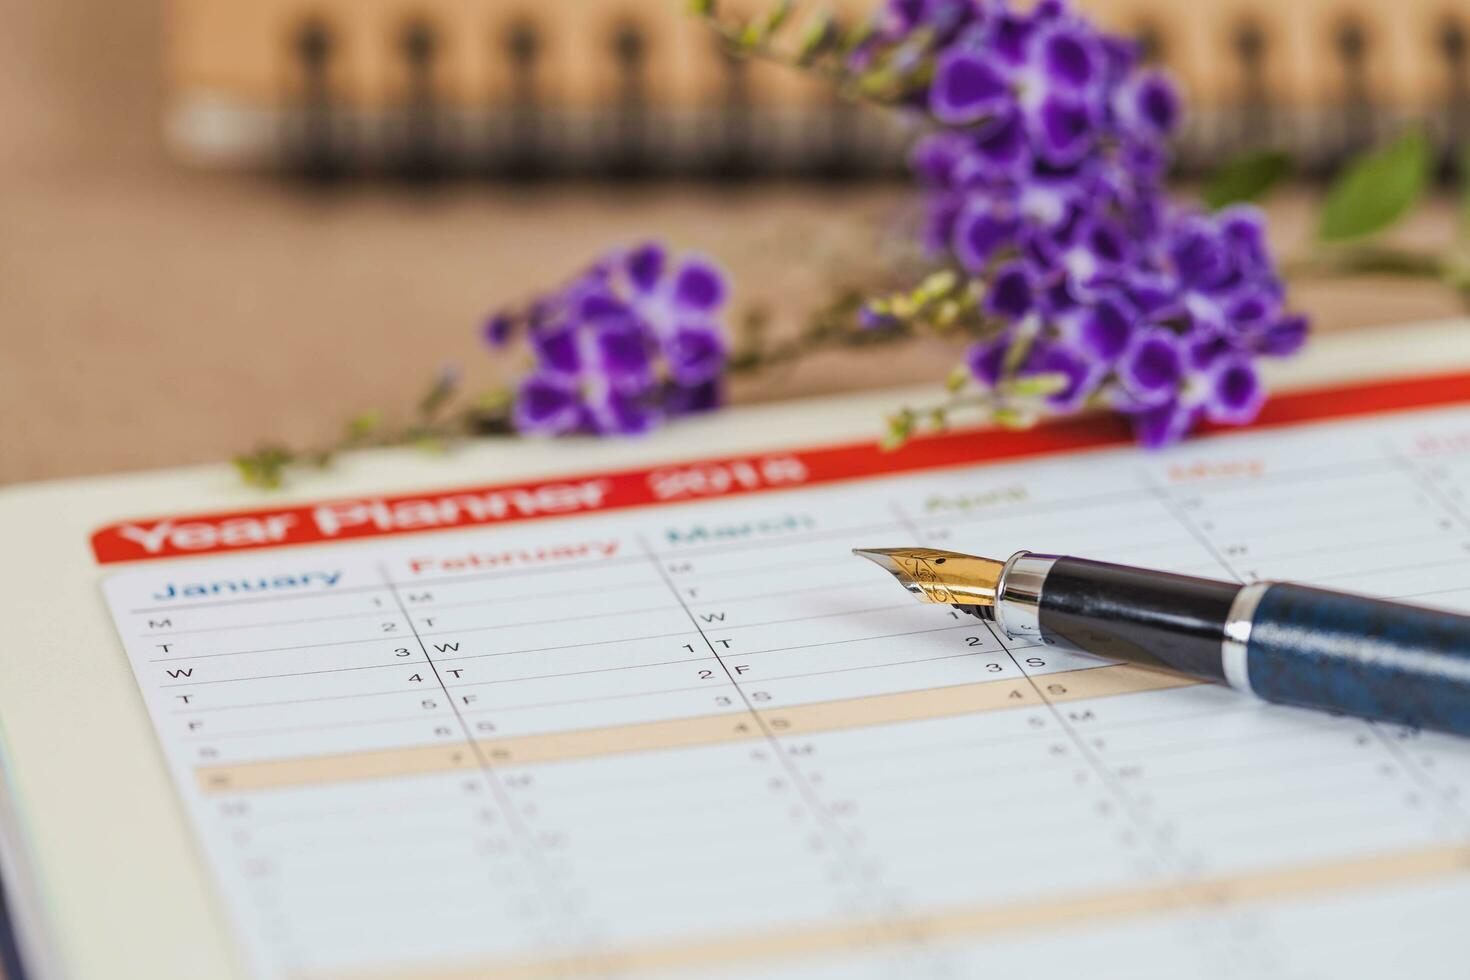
[(655, 721)]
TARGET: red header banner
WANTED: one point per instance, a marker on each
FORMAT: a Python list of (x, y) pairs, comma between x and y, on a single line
[(353, 518)]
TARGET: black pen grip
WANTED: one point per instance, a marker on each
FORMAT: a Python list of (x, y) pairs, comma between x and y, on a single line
[(1157, 619)]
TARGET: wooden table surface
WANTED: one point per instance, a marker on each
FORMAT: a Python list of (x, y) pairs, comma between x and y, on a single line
[(151, 316), (161, 317)]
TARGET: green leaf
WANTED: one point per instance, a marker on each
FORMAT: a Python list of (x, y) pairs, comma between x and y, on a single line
[(1376, 189), (1247, 178)]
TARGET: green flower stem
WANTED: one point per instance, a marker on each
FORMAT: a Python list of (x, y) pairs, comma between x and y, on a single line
[(441, 419), (833, 327), (446, 416), (1367, 260), (822, 50), (1450, 269)]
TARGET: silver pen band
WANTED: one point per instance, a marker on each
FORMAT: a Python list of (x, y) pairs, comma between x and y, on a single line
[(1018, 593), (1237, 636)]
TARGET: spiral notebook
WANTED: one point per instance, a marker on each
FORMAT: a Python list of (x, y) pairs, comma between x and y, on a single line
[(634, 711)]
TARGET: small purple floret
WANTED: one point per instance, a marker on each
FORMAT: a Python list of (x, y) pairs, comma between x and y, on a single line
[(1153, 367), (1070, 58), (646, 266), (499, 329), (1064, 130), (547, 404), (1011, 293), (633, 340), (699, 287), (1237, 394), (967, 88)]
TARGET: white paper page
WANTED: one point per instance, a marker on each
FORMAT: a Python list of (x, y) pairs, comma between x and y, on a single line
[(703, 740)]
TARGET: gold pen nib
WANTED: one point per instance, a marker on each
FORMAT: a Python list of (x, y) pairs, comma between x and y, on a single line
[(940, 576)]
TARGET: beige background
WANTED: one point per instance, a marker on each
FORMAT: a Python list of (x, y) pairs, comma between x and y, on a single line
[(153, 316)]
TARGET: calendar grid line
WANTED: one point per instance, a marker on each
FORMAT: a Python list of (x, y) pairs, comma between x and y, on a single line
[(893, 663), (858, 765), (1099, 770), (1244, 705), (1204, 538), (505, 600), (1242, 775), (1355, 546), (265, 624), (298, 729), (509, 811), (502, 653), (529, 706), (290, 649), (1306, 731), (1417, 478), (1383, 570), (575, 673), (819, 701), (1051, 916), (761, 569), (1454, 810), (255, 600), (564, 646), (1432, 488), (622, 740), (436, 804), (418, 608), (272, 677), (291, 701), (750, 653), (543, 622), (731, 627), (1172, 508), (1105, 774), (866, 583), (860, 639), (1300, 522), (833, 830), (1422, 595)]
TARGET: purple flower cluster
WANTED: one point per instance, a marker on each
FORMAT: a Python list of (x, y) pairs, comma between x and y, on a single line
[(1045, 182), (633, 340), (1044, 190)]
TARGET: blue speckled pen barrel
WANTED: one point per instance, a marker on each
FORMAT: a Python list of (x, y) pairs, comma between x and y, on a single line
[(1282, 642)]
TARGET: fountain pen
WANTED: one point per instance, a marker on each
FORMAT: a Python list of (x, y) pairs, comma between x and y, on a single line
[(1280, 641)]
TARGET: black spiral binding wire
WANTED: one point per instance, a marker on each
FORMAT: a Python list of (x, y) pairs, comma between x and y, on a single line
[(521, 135), (418, 149)]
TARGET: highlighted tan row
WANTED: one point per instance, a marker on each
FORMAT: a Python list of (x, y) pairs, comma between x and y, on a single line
[(824, 716), (686, 957)]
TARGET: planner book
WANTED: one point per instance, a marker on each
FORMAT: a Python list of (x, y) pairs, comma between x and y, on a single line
[(633, 709)]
